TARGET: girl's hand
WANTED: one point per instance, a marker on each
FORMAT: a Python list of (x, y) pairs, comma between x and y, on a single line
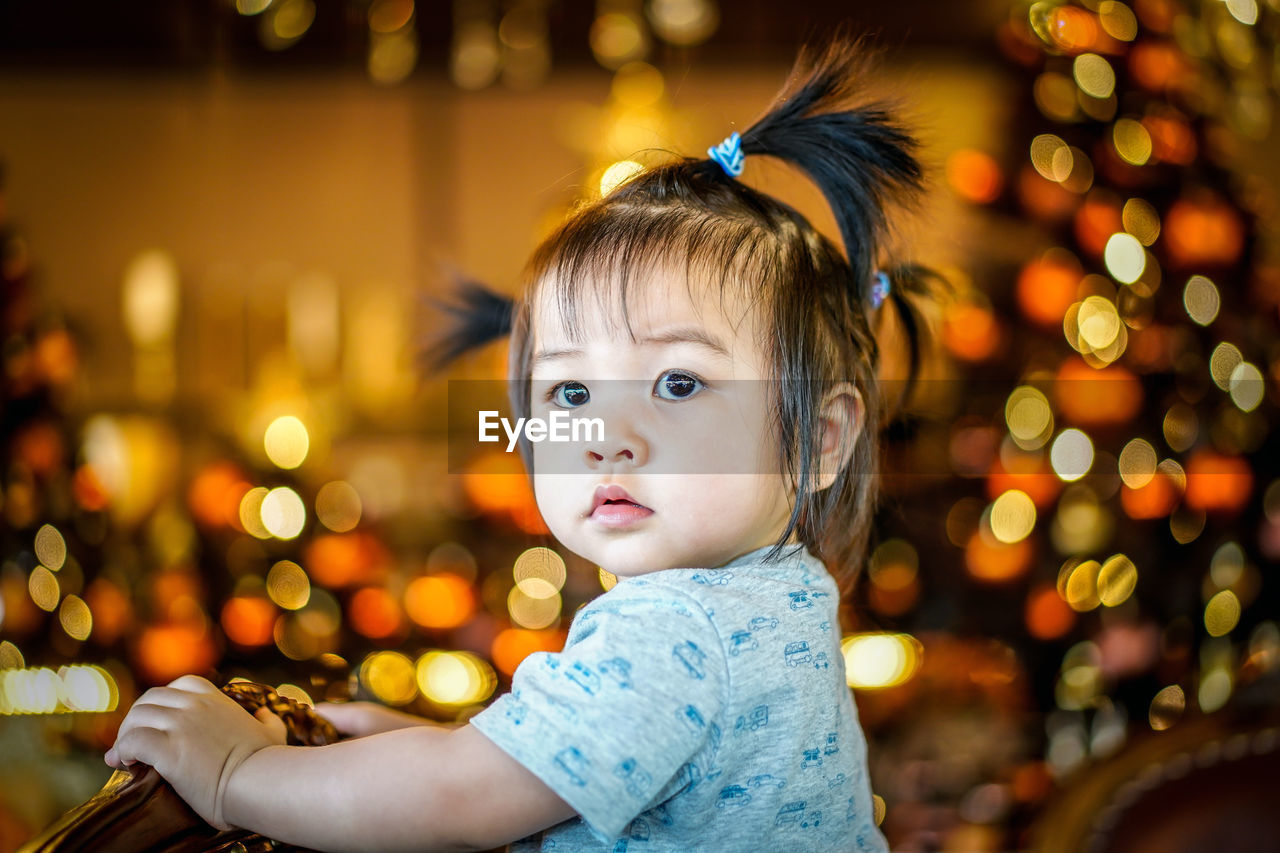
[(358, 719), (195, 736)]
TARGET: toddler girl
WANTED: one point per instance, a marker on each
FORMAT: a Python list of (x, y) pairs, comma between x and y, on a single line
[(701, 703)]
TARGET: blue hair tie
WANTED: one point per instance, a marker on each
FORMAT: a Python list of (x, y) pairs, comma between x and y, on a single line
[(729, 155), (879, 288)]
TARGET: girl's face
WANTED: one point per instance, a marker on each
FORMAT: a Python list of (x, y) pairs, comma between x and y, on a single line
[(686, 473)]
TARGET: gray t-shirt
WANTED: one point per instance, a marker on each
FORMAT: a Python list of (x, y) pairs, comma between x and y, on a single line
[(697, 709)]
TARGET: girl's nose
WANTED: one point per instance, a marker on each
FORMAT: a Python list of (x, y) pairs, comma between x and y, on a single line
[(623, 450)]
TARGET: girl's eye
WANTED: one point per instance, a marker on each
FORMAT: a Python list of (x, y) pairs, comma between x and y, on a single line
[(570, 395), (677, 385)]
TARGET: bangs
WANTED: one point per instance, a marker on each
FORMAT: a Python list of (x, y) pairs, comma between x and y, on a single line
[(592, 266)]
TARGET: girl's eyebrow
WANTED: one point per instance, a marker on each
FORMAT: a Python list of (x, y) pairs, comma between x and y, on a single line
[(677, 335), (689, 335)]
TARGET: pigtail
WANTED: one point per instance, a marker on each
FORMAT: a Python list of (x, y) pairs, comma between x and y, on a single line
[(858, 156), (906, 281), (475, 316)]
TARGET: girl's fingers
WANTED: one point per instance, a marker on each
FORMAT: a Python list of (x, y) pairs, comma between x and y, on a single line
[(166, 697), (148, 715), (193, 684), (139, 744), (345, 716)]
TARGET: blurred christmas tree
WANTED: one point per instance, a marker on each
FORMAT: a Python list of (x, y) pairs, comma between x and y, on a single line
[(1119, 408)]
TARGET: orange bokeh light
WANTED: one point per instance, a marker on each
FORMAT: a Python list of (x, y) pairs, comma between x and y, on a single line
[(88, 489), (215, 495), (375, 613), (1096, 397), (1217, 483), (1043, 198), (1048, 616), (174, 590), (1158, 66), (1156, 499), (1157, 15), (974, 175), (1203, 231), (21, 616), (111, 608), (495, 483), (343, 559), (441, 600), (513, 645), (249, 620), (995, 562), (1029, 474), (1096, 220), (1047, 287), (1172, 139), (970, 331), (40, 447), (165, 651), (1073, 30)]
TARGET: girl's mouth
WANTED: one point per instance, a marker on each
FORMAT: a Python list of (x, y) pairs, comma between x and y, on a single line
[(613, 507)]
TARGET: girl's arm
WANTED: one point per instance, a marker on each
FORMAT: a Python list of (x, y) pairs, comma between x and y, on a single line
[(358, 719), (415, 788), (418, 788)]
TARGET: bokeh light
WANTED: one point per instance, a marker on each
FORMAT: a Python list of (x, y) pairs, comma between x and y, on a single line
[(286, 442), (75, 618), (439, 601), (1094, 75), (1071, 454), (1029, 417), (248, 620), (338, 506), (1013, 516), (283, 513), (683, 22), (1222, 613), (50, 547), (1048, 617), (974, 175), (1116, 580), (454, 678), (250, 514), (1246, 386), (44, 589), (1125, 257), (539, 572), (513, 645), (390, 676), (1137, 463), (375, 613), (532, 612), (76, 688), (1167, 707), (875, 661), (288, 585), (1141, 220), (1078, 584), (618, 174)]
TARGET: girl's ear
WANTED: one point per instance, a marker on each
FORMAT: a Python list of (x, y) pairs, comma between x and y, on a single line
[(842, 418)]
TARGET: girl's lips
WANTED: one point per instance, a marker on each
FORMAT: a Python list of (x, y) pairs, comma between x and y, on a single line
[(620, 514), (612, 506)]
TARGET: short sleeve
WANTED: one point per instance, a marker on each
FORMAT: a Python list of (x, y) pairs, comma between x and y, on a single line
[(610, 721)]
